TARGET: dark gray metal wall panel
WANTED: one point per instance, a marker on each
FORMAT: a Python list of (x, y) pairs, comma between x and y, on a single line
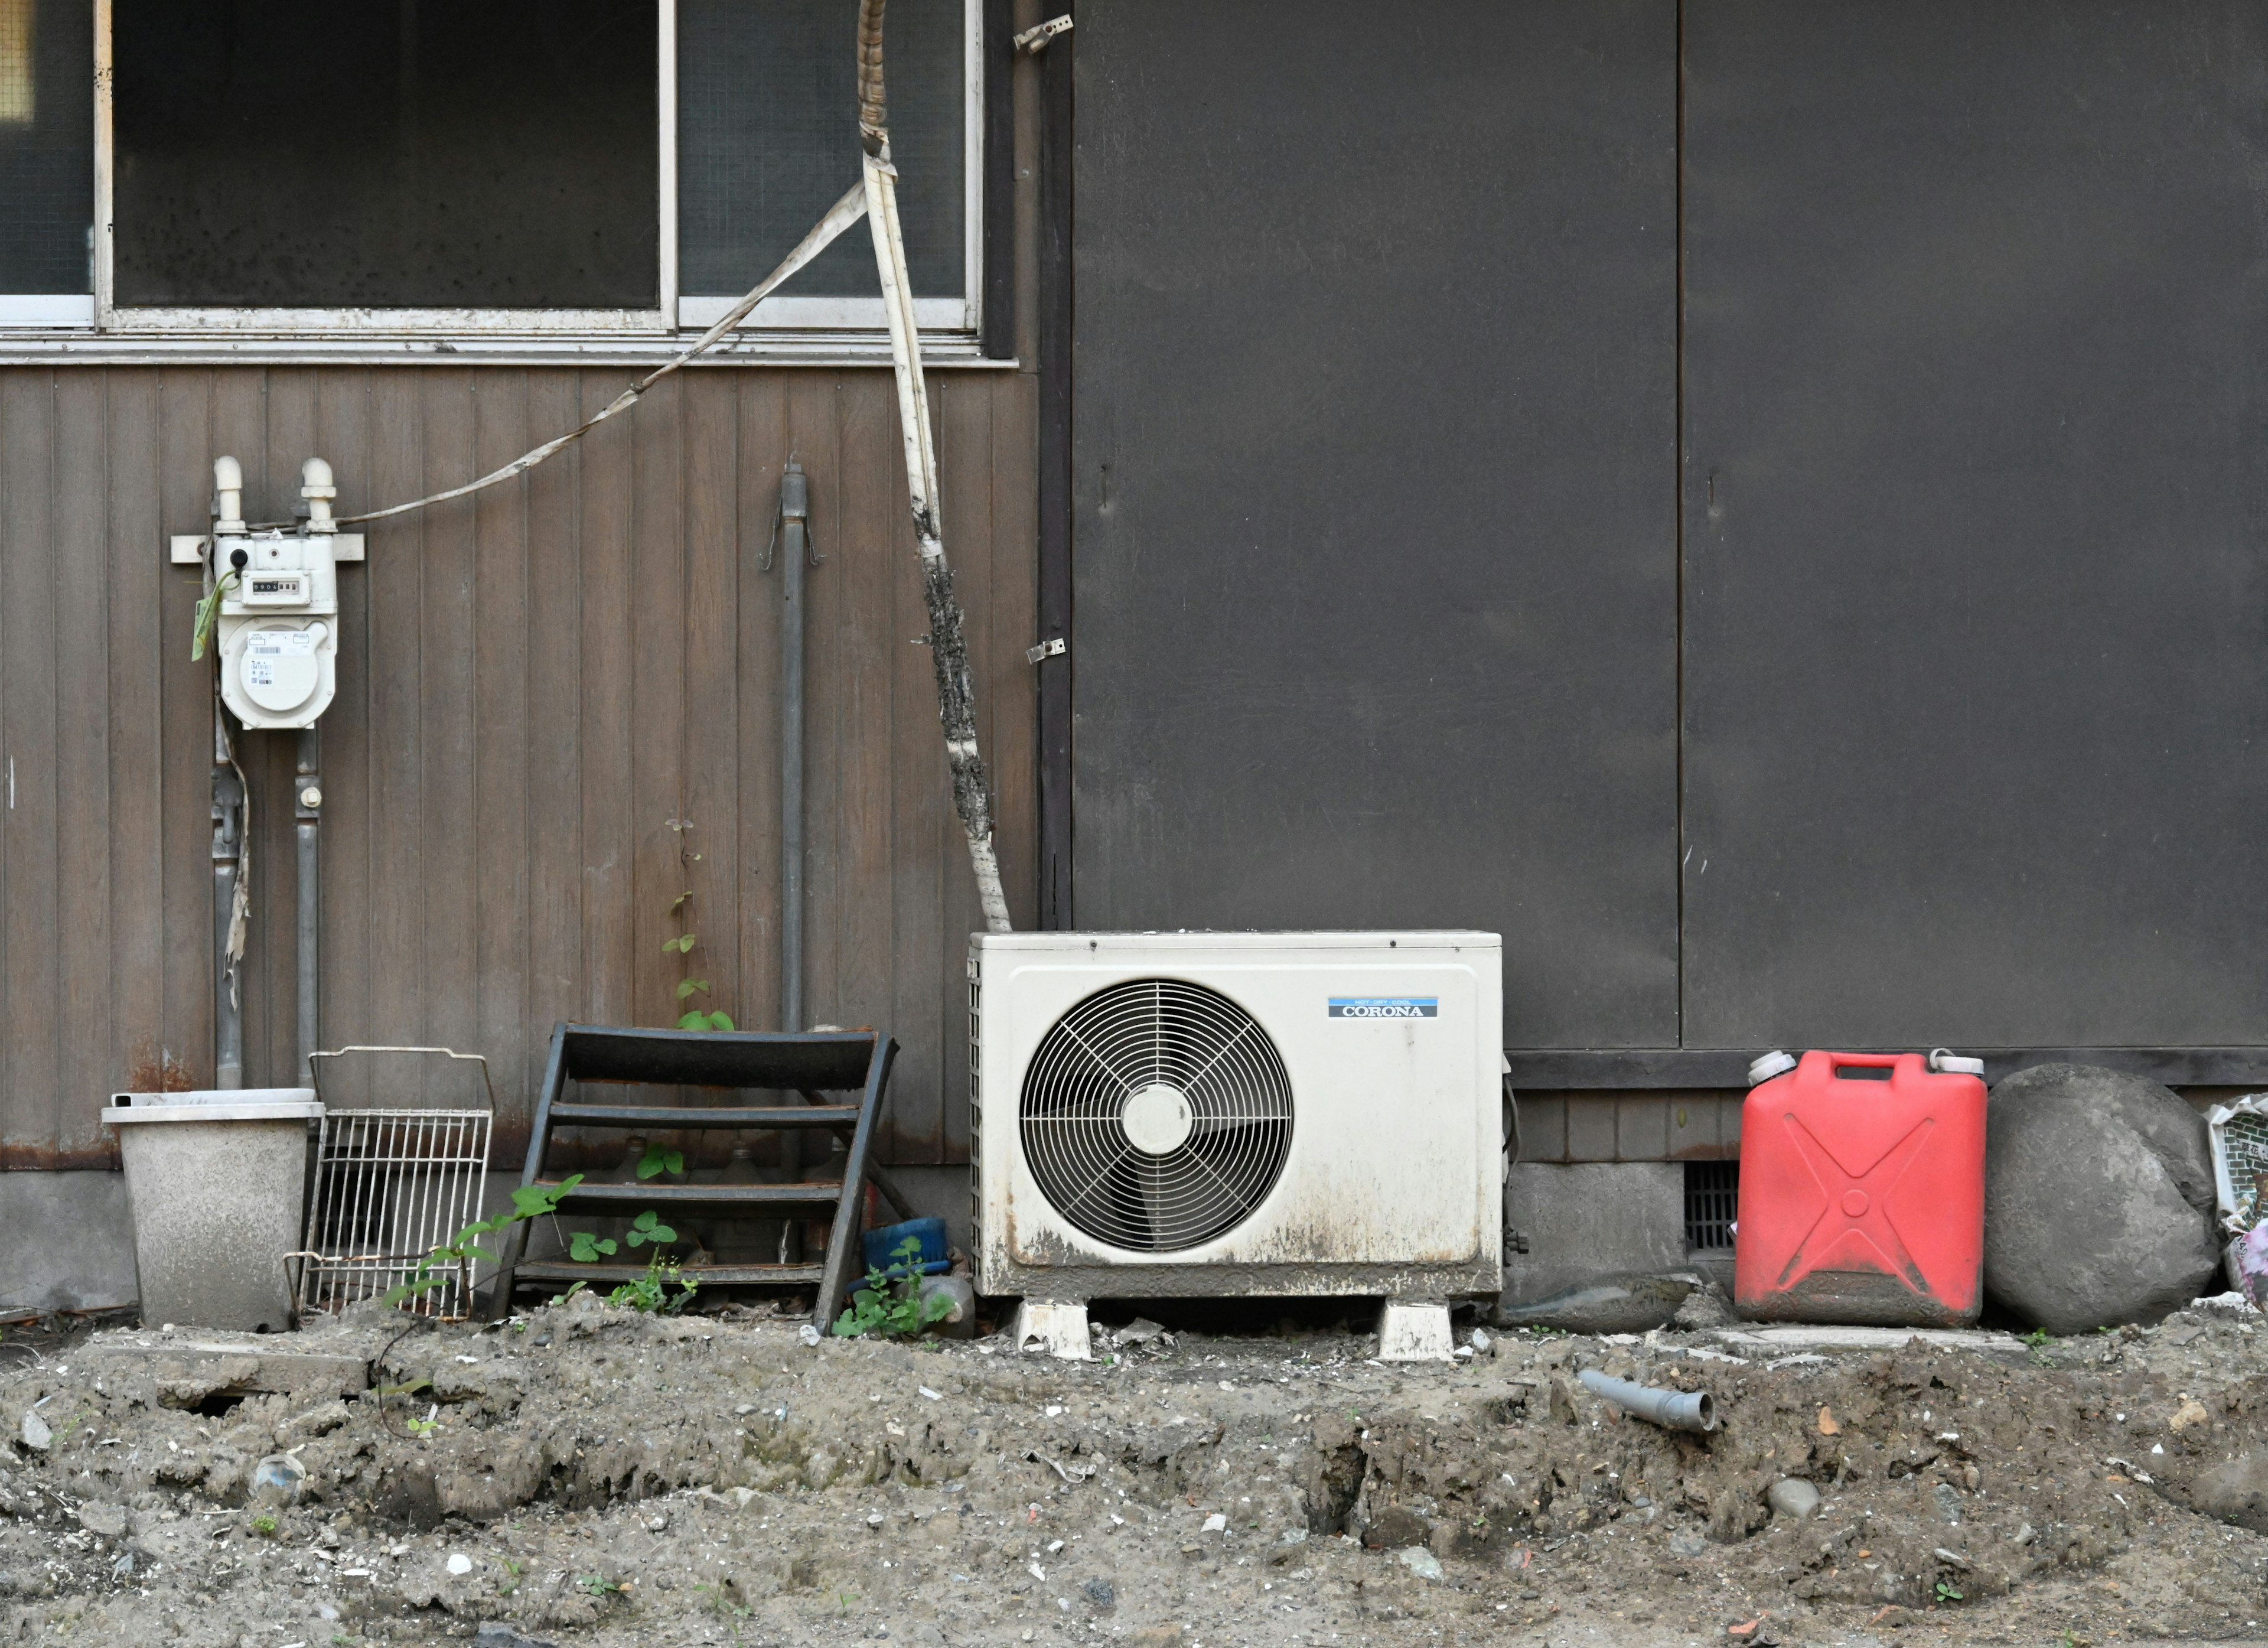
[(1375, 487), (1975, 644)]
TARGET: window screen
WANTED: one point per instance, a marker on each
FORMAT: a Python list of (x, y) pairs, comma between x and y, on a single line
[(47, 145), (768, 140), (387, 153)]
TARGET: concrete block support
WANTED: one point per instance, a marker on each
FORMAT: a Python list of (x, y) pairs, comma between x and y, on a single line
[(1587, 1220)]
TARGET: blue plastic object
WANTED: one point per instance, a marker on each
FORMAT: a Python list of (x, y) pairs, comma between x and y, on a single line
[(881, 1244)]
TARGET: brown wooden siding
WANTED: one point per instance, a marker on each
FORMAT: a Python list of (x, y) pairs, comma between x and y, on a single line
[(534, 686)]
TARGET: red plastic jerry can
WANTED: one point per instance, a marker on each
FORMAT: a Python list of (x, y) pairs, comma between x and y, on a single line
[(1862, 1193)]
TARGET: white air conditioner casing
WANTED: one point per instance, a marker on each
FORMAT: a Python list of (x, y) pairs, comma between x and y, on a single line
[(1237, 1113)]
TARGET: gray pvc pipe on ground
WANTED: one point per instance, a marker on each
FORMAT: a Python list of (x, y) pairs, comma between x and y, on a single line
[(1675, 1410)]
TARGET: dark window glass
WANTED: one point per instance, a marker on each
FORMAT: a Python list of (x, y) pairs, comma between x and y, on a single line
[(387, 153), (47, 144), (768, 140)]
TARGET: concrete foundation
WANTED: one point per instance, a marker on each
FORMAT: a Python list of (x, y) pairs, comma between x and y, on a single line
[(66, 1238), (1589, 1220), (66, 1242)]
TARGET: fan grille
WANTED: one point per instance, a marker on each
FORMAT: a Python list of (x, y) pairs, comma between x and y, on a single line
[(1156, 1115)]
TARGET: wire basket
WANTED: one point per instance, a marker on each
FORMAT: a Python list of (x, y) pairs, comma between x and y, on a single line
[(391, 1185)]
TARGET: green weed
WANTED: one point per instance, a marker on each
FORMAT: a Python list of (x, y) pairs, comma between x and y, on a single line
[(890, 1305), (527, 1202)]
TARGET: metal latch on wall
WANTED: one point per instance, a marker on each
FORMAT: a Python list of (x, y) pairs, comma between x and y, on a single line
[(1034, 40), (1056, 648)]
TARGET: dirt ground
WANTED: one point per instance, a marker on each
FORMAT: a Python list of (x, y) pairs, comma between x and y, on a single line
[(588, 1476)]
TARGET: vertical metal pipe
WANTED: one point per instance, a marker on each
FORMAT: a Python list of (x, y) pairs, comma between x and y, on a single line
[(795, 535), (1057, 825), (308, 803), (227, 855), (307, 812), (795, 523)]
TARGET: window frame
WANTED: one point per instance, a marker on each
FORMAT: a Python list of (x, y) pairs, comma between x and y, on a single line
[(795, 324)]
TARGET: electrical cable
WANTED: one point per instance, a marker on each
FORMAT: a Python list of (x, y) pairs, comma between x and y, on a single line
[(840, 217)]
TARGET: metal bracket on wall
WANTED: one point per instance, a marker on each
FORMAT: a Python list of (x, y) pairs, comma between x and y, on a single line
[(188, 548), (1056, 648), (1034, 40)]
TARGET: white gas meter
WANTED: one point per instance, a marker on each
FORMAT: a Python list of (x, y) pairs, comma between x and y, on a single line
[(278, 630)]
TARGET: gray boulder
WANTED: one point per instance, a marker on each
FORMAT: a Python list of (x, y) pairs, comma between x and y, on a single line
[(2098, 1199)]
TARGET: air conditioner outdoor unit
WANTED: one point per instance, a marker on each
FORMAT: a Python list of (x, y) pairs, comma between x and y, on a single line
[(1161, 1115)]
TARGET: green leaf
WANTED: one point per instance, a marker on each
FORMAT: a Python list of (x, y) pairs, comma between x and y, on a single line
[(535, 1201), (682, 944), (678, 903), (686, 987), (660, 1158), (587, 1248), (695, 1020), (472, 1252), (719, 1021)]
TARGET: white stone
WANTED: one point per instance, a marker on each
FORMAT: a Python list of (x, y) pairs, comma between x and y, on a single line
[(460, 1563), (1793, 1498)]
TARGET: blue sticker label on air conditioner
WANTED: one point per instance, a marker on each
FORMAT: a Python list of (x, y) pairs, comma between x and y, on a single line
[(1386, 1006)]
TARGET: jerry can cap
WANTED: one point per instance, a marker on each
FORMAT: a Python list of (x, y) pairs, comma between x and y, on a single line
[(1775, 1062), (1946, 1062)]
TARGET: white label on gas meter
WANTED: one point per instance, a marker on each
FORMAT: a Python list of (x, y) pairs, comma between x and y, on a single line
[(279, 644)]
